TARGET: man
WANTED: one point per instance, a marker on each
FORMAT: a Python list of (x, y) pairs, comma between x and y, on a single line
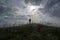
[(29, 21)]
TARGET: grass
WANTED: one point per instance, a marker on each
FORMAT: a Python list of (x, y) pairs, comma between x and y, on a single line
[(30, 32)]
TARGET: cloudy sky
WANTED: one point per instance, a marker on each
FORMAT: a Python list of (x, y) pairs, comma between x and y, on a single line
[(19, 11)]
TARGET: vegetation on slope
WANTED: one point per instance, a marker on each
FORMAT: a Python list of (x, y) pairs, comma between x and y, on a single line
[(30, 32)]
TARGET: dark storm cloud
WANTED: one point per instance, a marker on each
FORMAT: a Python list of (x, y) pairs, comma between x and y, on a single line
[(33, 2), (53, 7), (8, 13), (55, 10), (51, 3), (5, 11)]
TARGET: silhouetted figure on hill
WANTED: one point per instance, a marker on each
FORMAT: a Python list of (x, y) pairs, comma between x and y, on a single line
[(29, 21)]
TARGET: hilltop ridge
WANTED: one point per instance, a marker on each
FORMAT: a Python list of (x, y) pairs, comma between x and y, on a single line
[(30, 32)]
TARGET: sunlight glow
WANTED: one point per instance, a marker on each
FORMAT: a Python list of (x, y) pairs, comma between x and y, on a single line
[(33, 8)]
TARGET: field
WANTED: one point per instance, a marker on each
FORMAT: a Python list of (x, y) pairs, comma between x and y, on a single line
[(30, 32)]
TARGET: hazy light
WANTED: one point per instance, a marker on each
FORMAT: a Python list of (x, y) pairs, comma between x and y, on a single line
[(32, 8)]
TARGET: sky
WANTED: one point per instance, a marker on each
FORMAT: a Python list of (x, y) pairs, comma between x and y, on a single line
[(15, 12)]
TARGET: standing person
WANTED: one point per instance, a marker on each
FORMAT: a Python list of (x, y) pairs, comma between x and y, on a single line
[(29, 21)]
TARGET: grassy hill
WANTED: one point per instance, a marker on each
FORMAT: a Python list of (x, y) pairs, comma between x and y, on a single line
[(30, 32)]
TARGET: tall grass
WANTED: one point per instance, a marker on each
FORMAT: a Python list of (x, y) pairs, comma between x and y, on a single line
[(30, 32)]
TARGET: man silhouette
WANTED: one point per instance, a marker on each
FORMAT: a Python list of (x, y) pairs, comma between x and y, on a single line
[(29, 21)]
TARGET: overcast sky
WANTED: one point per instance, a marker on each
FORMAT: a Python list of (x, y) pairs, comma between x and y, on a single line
[(19, 11)]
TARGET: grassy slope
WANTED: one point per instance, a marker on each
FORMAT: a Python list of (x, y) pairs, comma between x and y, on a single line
[(30, 32)]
